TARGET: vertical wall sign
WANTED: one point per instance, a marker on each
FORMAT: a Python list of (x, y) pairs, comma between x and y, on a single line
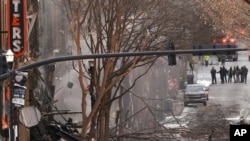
[(17, 26)]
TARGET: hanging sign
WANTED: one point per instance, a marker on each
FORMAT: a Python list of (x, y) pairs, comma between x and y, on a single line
[(19, 90), (17, 27)]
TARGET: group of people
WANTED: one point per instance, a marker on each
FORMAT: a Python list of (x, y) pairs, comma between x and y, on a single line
[(236, 74)]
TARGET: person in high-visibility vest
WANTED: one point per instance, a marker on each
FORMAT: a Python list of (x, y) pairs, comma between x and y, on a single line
[(206, 58)]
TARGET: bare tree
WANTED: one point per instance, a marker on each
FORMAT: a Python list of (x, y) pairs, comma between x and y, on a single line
[(229, 18), (106, 26)]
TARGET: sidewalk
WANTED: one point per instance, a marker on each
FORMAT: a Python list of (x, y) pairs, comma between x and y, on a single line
[(178, 107), (178, 104)]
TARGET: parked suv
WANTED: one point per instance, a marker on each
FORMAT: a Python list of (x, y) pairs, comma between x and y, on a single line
[(195, 93)]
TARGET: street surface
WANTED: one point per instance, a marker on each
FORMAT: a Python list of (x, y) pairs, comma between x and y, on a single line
[(227, 94)]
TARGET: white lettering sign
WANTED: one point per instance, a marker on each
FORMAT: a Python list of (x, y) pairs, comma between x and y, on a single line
[(240, 132)]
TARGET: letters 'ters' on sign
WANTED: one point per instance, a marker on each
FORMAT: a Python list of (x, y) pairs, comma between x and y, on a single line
[(239, 132), (17, 32)]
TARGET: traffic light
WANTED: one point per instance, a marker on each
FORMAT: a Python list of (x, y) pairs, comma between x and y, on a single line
[(171, 57), (3, 63)]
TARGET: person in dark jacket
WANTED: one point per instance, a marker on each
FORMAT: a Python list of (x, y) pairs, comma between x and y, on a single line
[(213, 75), (241, 74), (237, 73), (244, 74), (224, 73), (221, 75), (230, 75)]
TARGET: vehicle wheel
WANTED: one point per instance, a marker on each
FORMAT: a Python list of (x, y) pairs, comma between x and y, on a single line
[(185, 104), (205, 103)]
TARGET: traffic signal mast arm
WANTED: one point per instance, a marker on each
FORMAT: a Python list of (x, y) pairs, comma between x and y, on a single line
[(124, 54)]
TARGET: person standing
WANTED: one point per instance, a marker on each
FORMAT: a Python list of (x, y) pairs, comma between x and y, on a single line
[(206, 58), (230, 75), (213, 75), (191, 68), (237, 73), (223, 60), (224, 73), (244, 74), (241, 74), (221, 75)]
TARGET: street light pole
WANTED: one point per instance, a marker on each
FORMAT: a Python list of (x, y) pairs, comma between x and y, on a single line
[(10, 59)]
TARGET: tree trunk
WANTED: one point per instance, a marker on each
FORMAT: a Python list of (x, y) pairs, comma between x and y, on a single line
[(104, 118), (93, 128), (121, 115), (82, 85), (107, 118), (101, 124)]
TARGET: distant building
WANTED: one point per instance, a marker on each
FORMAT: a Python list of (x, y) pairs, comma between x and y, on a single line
[(52, 27)]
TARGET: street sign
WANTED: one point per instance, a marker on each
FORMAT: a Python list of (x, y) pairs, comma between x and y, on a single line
[(17, 32), (18, 101)]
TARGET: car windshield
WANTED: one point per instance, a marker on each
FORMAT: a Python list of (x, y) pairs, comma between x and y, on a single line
[(194, 88)]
